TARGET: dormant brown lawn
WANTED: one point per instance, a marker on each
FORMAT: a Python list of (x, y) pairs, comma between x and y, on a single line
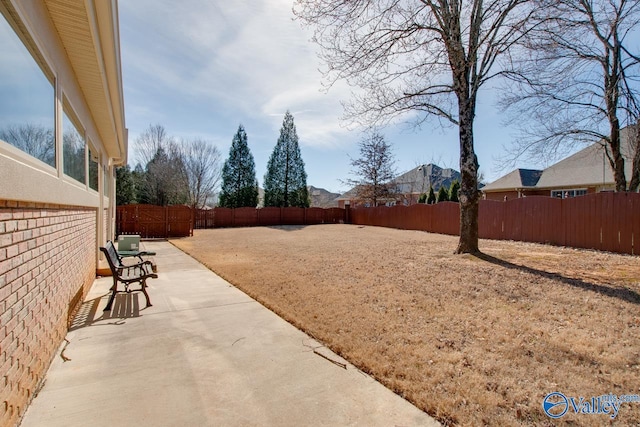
[(470, 340)]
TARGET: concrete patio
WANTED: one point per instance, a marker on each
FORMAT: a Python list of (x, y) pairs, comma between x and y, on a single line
[(205, 354)]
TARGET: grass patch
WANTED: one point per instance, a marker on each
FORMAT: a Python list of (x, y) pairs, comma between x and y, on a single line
[(470, 340)]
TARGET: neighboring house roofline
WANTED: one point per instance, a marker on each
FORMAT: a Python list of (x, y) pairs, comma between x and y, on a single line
[(518, 179), (588, 167)]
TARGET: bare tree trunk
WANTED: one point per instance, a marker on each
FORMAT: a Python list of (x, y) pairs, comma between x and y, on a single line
[(617, 161), (469, 196), (634, 142), (611, 97), (399, 51)]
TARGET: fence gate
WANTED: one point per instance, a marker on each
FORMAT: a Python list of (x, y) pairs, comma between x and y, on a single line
[(151, 221)]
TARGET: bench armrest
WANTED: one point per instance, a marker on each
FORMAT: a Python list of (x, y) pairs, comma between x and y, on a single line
[(137, 264)]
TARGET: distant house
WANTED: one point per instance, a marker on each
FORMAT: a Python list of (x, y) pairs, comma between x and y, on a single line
[(62, 134), (519, 183), (585, 172), (408, 187)]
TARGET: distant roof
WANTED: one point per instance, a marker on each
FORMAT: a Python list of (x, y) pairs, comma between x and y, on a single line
[(587, 167), (519, 178), (530, 177)]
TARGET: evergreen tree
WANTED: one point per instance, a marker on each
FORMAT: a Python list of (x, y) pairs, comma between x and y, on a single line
[(239, 184), (431, 198), (138, 178), (125, 186), (453, 191), (423, 198), (285, 183), (443, 195)]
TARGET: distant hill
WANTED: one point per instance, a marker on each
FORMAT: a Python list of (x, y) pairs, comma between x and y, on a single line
[(321, 198)]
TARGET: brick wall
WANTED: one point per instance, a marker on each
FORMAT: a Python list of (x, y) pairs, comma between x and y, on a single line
[(47, 264)]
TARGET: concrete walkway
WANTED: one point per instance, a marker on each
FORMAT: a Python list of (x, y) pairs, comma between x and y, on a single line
[(205, 354)]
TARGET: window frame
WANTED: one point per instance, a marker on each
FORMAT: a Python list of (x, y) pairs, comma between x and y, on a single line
[(559, 194), (34, 49)]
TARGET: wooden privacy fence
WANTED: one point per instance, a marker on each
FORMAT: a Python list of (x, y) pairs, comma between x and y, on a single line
[(251, 217), (441, 218), (151, 221), (603, 221)]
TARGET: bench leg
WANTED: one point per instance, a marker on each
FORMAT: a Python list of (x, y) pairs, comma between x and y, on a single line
[(144, 291)]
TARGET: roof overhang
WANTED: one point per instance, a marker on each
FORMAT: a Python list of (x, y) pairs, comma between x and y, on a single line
[(90, 34)]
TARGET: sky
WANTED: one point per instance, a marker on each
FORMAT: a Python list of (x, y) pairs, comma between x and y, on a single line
[(200, 68)]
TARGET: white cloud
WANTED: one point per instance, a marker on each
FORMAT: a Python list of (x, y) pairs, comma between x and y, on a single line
[(243, 56)]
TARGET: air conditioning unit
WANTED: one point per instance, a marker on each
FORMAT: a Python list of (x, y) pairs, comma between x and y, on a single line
[(129, 243)]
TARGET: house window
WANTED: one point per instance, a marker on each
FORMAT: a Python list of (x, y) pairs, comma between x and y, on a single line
[(27, 99), (565, 194), (73, 149)]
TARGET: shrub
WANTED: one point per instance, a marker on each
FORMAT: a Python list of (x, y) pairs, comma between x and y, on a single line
[(453, 191), (431, 198), (443, 195)]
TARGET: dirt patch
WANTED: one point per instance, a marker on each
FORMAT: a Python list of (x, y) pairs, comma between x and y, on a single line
[(470, 340)]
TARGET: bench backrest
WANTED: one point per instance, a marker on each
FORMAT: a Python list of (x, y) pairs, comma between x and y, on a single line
[(112, 256)]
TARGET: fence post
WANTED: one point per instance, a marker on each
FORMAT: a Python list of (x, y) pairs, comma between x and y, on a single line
[(166, 221), (193, 220)]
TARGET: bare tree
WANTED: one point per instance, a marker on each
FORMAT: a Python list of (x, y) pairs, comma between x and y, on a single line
[(577, 81), (33, 139), (176, 173), (374, 170), (419, 59), (202, 162), (152, 139), (165, 178)]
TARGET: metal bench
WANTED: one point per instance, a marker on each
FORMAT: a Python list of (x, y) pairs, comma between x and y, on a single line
[(127, 274)]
